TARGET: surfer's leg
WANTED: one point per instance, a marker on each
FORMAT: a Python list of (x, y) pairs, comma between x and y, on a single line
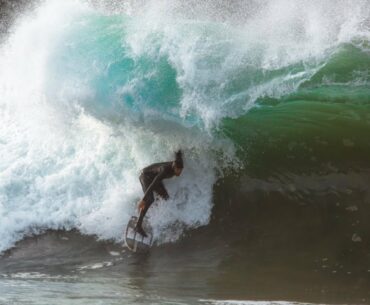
[(148, 203), (145, 182)]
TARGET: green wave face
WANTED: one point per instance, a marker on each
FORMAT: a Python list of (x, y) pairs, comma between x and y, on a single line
[(324, 124)]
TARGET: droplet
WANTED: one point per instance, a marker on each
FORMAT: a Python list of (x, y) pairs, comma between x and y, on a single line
[(352, 208), (348, 143), (356, 238)]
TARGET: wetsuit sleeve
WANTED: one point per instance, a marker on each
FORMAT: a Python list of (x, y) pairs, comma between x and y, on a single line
[(161, 191), (152, 185)]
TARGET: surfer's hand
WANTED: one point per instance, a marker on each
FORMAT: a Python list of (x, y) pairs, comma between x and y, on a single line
[(141, 205)]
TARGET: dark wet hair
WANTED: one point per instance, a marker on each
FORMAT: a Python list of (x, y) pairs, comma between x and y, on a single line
[(178, 161)]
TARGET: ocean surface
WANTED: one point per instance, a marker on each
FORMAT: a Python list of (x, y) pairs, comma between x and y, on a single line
[(269, 101)]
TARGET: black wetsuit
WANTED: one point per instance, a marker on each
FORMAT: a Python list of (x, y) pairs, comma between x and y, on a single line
[(151, 181)]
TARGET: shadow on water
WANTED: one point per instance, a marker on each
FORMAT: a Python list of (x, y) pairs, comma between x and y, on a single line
[(303, 238)]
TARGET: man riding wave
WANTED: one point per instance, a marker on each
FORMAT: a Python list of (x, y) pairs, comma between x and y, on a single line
[(151, 181)]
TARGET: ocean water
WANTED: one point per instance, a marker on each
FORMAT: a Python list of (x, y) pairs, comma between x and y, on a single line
[(270, 103)]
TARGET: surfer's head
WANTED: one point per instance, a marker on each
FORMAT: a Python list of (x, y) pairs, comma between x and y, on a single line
[(178, 164)]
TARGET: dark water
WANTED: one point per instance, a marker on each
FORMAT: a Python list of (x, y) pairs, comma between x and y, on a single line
[(262, 244)]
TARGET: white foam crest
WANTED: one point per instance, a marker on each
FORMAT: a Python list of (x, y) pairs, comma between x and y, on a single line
[(62, 168), (37, 276), (215, 62), (87, 178), (293, 31)]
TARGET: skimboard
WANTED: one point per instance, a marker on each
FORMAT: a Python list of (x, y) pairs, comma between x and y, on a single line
[(134, 240)]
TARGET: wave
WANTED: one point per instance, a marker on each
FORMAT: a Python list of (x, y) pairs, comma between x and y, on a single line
[(91, 95)]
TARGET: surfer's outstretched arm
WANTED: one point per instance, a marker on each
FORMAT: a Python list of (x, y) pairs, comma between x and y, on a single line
[(161, 191)]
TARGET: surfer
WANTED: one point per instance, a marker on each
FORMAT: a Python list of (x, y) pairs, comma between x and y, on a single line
[(151, 181)]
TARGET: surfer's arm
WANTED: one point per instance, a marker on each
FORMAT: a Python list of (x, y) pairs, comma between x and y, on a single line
[(161, 191)]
